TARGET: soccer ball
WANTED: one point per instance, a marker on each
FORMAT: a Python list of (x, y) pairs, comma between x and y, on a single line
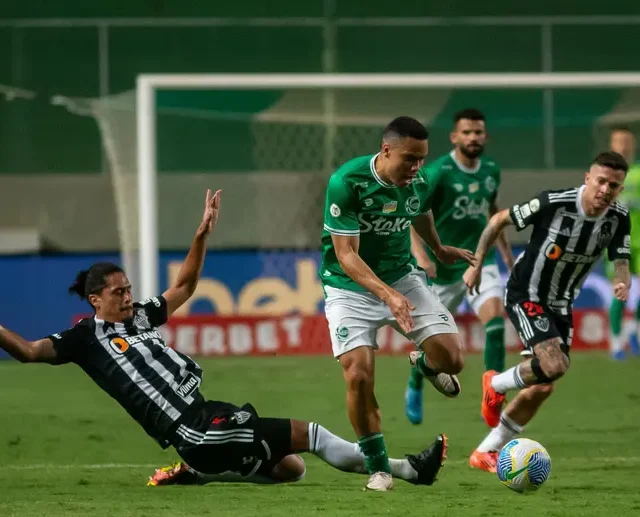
[(523, 465)]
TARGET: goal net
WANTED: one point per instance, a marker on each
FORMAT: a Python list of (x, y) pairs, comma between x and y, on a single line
[(271, 142)]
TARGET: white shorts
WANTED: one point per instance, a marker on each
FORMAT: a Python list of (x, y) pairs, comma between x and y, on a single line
[(354, 317), (451, 295)]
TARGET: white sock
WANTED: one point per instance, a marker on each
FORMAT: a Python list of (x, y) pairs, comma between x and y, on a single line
[(402, 469), (616, 343), (508, 380), (501, 435), (346, 456), (335, 451)]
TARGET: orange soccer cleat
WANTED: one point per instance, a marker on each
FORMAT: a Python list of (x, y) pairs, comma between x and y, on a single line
[(174, 474), (491, 400), (486, 461)]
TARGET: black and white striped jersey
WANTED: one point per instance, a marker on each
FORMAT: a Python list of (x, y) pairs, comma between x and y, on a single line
[(564, 246), (130, 361)]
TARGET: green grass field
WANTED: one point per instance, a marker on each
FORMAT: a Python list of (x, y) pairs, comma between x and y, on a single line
[(68, 449)]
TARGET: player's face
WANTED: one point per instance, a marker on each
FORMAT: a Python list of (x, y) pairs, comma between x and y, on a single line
[(114, 303), (624, 143), (603, 186), (404, 158), (470, 136)]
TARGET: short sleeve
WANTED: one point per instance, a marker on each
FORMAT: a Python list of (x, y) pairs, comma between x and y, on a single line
[(340, 210), (154, 310), (529, 213), (620, 245), (70, 345), (432, 175)]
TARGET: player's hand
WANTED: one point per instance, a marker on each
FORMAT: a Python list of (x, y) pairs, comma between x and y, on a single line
[(401, 309), (471, 278), (621, 292), (450, 255), (211, 211)]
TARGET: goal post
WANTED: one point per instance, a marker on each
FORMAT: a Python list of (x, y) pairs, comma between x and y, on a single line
[(146, 119)]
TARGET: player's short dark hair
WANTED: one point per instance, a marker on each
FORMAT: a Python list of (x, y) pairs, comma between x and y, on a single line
[(93, 280), (469, 114), (405, 127), (621, 129), (612, 160)]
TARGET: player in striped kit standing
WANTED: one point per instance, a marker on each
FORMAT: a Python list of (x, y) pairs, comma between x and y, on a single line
[(572, 229)]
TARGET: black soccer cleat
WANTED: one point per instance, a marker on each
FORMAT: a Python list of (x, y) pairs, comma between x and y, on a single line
[(429, 462)]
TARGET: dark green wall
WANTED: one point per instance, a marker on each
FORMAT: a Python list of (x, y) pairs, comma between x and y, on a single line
[(37, 137)]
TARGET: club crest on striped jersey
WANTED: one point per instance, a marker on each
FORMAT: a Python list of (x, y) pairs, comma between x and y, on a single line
[(241, 417), (605, 234), (141, 319)]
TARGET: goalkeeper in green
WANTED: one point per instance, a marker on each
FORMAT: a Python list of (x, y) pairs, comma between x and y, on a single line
[(623, 141), (465, 186)]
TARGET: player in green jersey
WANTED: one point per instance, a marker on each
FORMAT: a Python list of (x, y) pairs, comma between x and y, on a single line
[(466, 188), (371, 279), (623, 141)]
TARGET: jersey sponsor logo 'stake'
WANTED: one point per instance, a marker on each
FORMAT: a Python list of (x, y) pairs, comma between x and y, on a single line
[(466, 207), (383, 226)]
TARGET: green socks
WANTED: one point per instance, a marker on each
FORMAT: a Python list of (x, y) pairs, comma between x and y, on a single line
[(375, 453), (494, 346), (616, 312), (415, 379)]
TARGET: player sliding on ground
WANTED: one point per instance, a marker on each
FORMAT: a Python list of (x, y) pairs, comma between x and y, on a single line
[(371, 279), (571, 230), (466, 190), (121, 349)]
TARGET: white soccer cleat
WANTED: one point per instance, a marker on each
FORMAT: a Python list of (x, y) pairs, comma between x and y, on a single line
[(447, 384), (380, 482)]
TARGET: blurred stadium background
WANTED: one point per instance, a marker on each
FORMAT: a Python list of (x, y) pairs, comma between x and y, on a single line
[(68, 153)]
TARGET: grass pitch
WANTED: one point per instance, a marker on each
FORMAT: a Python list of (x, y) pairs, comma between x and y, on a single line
[(67, 449)]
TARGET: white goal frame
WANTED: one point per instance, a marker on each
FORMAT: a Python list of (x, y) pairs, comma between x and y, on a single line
[(147, 84)]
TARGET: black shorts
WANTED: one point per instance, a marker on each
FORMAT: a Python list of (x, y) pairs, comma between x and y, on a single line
[(535, 323), (218, 437)]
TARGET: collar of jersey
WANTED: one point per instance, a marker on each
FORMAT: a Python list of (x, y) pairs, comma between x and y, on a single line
[(372, 166), (462, 167), (581, 209)]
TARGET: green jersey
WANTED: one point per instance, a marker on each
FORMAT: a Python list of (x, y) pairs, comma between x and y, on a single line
[(631, 198), (461, 201), (359, 202)]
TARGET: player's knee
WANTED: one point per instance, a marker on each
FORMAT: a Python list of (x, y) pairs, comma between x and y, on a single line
[(454, 362), (444, 353), (358, 376), (291, 469), (555, 366)]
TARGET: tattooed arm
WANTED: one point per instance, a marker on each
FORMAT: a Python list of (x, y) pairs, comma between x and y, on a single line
[(496, 224), (621, 279), (503, 243)]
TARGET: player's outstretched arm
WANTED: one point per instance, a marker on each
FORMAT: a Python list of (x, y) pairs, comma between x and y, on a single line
[(497, 224), (418, 251), (25, 351), (346, 248), (191, 269), (503, 244), (425, 227)]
